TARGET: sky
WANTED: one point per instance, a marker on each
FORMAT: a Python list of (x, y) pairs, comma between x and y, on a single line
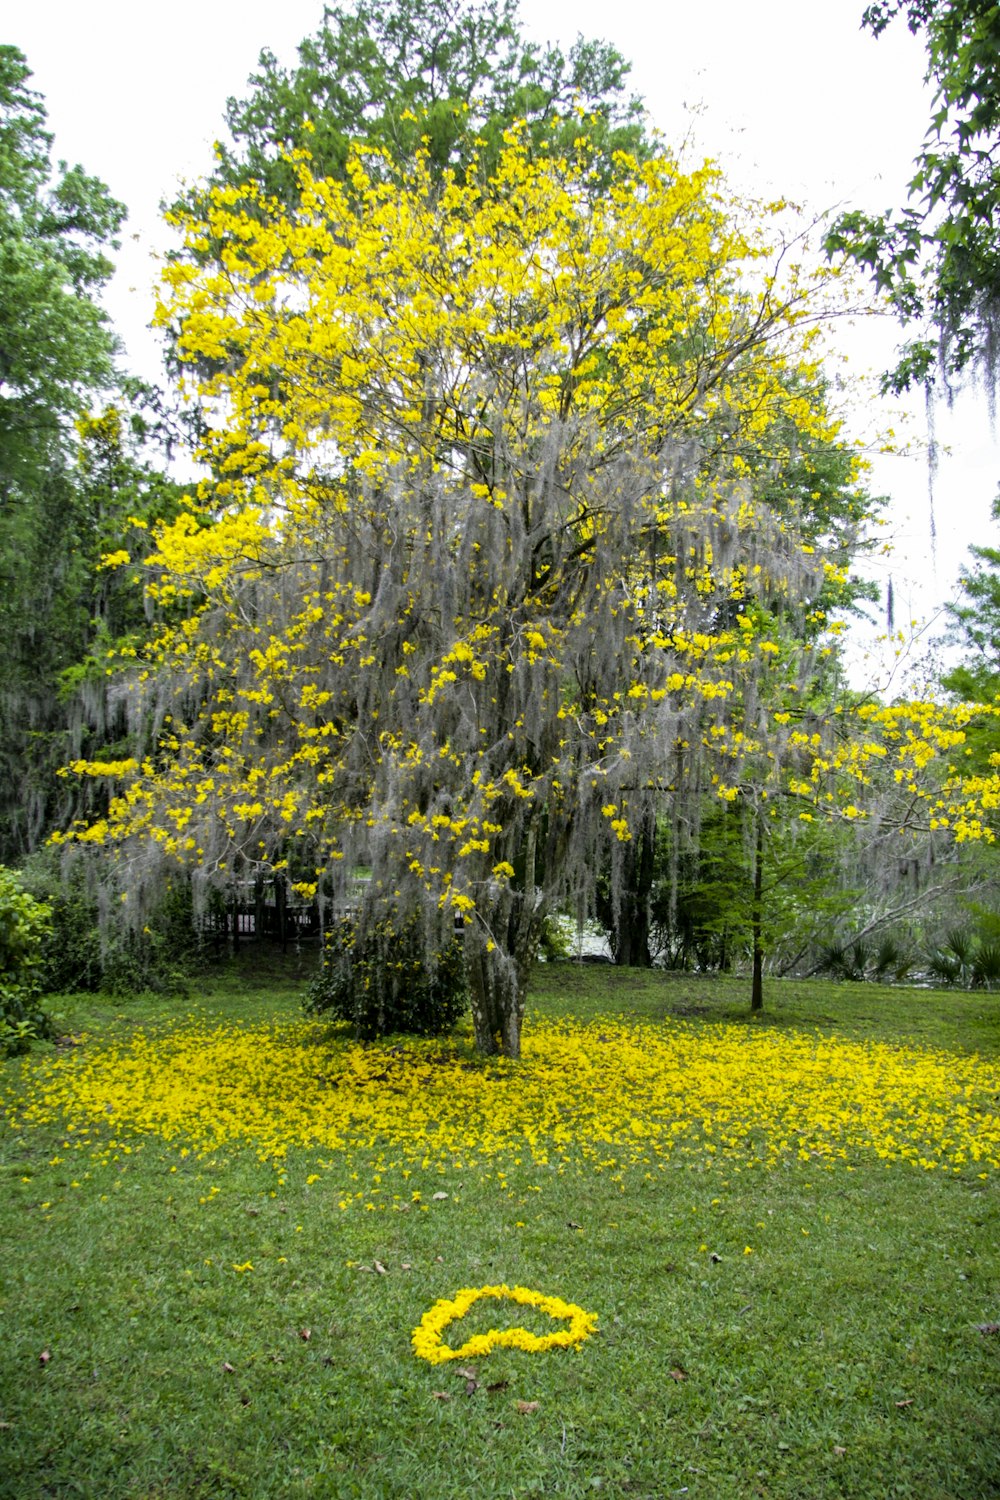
[(790, 96)]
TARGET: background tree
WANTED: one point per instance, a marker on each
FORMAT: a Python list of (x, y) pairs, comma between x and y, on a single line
[(70, 483), (938, 258), (80, 597), (55, 343), (55, 351), (453, 76), (975, 617)]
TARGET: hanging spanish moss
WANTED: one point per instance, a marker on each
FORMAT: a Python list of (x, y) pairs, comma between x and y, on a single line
[(501, 564)]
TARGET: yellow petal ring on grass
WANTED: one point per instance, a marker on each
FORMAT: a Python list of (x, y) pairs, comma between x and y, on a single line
[(428, 1342)]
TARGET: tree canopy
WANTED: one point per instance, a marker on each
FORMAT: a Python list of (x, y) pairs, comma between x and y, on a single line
[(55, 227), (71, 476), (937, 259), (466, 581), (56, 349), (453, 76)]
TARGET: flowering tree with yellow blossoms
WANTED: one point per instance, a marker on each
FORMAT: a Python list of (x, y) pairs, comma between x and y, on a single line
[(465, 589), (903, 778)]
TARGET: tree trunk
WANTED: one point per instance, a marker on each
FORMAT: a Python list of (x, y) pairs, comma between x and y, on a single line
[(280, 905), (756, 920), (501, 942), (486, 1014), (630, 938)]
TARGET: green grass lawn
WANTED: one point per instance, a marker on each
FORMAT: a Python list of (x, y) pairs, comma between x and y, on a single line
[(782, 1310)]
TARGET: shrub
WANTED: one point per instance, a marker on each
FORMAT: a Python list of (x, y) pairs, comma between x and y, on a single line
[(986, 966), (378, 979), (24, 923), (558, 934), (71, 949), (160, 955), (966, 959), (87, 949), (884, 962)]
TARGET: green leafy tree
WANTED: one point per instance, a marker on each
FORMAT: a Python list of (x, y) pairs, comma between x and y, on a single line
[(55, 343), (56, 349), (75, 486), (74, 589), (976, 626), (451, 76), (937, 258), (24, 925)]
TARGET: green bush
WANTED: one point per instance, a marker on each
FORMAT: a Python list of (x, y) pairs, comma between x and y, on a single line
[(84, 950), (72, 959), (380, 980), (966, 959), (24, 924), (158, 956), (556, 942), (887, 961)]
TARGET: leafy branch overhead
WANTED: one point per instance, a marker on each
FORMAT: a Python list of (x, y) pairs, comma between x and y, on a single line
[(937, 258), (453, 76)]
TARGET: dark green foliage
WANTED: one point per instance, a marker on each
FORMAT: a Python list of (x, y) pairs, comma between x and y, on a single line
[(68, 485), (938, 258), (453, 76), (846, 960), (893, 959), (976, 628), (63, 609), (380, 981), (159, 956), (884, 960), (54, 340), (88, 946), (966, 958), (986, 966), (556, 942), (698, 903), (24, 925), (72, 958)]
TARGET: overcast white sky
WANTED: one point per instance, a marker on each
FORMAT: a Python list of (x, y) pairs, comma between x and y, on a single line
[(790, 95)]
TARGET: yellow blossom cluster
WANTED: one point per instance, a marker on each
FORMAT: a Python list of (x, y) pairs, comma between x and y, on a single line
[(348, 300), (428, 1337), (605, 1097)]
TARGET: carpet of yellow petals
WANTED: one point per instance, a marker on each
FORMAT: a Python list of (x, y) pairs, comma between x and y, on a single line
[(601, 1096)]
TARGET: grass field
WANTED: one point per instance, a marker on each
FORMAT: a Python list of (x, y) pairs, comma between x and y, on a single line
[(221, 1225)]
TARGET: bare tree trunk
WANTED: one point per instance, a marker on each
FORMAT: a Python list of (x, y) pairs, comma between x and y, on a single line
[(500, 947), (630, 938), (486, 1017), (756, 919)]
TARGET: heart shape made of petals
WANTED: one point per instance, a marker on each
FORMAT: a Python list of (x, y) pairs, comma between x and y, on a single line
[(428, 1337)]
